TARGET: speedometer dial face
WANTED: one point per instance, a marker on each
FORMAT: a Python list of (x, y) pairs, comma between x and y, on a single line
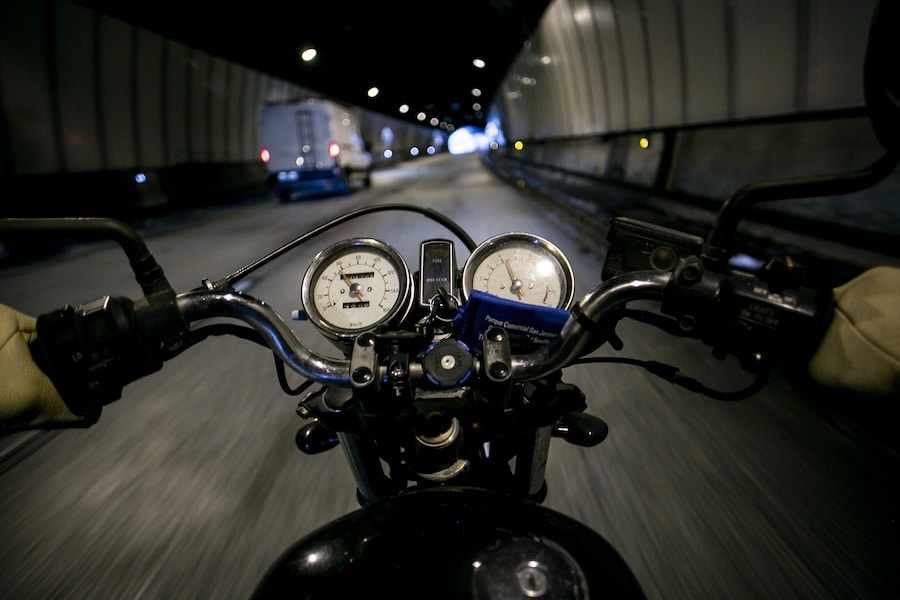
[(356, 285), (521, 267)]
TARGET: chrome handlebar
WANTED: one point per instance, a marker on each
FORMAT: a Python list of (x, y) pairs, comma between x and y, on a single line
[(575, 334), (201, 304)]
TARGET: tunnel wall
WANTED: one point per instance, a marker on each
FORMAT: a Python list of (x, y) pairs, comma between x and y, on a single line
[(594, 67), (690, 100), (700, 167), (98, 117)]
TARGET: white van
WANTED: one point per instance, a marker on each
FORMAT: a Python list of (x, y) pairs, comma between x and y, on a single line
[(312, 147)]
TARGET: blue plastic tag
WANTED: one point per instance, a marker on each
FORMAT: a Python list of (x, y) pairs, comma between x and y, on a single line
[(529, 326)]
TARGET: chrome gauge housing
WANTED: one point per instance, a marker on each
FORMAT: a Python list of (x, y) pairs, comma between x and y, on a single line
[(521, 267), (356, 285)]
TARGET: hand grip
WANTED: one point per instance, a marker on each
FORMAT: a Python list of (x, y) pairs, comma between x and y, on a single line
[(92, 351)]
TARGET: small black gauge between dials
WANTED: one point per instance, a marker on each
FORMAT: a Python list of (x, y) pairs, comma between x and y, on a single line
[(437, 269)]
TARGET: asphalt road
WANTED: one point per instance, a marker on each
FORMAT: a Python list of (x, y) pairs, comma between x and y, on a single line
[(190, 486)]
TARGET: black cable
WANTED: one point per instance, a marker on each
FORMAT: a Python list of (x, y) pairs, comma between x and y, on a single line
[(674, 376), (201, 333), (245, 333), (428, 212), (283, 382)]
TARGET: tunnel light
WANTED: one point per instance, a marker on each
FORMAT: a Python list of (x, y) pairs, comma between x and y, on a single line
[(479, 63), (466, 140), (476, 92), (308, 54), (404, 108), (644, 143), (518, 145), (373, 91)]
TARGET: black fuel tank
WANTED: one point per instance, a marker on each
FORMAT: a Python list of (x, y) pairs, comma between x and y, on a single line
[(451, 543)]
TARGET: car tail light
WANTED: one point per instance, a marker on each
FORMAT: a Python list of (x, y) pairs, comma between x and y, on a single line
[(334, 149), (264, 155)]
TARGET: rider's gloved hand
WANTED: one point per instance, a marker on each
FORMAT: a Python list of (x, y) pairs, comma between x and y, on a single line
[(28, 399), (860, 352)]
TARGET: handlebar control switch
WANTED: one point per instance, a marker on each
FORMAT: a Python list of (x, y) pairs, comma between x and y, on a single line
[(781, 274), (92, 351), (447, 363), (772, 323)]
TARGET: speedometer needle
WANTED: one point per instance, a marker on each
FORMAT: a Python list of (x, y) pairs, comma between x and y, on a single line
[(515, 284), (355, 288)]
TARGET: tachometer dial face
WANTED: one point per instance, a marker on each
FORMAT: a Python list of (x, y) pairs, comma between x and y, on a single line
[(356, 285), (521, 267)]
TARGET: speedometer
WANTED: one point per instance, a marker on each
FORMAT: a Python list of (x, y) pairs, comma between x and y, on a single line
[(356, 285), (521, 267)]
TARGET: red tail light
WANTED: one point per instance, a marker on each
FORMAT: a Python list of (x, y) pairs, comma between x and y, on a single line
[(264, 155), (334, 149)]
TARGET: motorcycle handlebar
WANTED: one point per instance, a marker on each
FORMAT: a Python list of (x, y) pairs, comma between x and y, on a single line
[(585, 319), (198, 305), (737, 315), (203, 304), (93, 350)]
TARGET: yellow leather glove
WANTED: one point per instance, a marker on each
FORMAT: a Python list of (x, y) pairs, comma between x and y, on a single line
[(28, 399), (860, 351)]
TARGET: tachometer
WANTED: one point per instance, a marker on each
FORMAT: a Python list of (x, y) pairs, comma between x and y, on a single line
[(356, 285), (522, 267)]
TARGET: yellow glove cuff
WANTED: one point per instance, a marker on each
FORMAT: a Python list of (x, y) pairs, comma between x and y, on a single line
[(860, 351), (28, 399)]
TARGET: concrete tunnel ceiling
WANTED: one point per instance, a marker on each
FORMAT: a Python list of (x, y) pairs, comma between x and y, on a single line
[(586, 66), (418, 54)]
